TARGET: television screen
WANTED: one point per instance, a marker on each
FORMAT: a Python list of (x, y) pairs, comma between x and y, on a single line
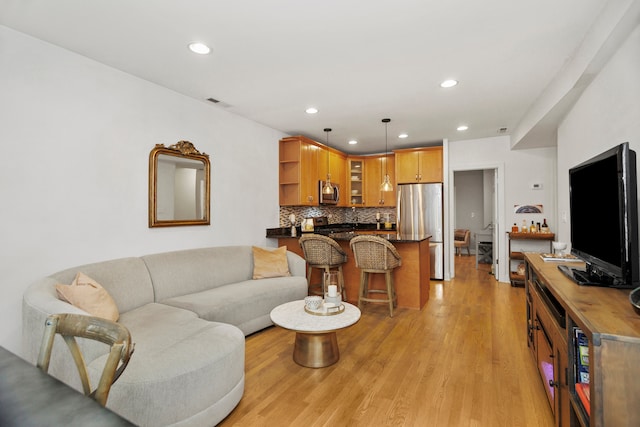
[(604, 217), (595, 218)]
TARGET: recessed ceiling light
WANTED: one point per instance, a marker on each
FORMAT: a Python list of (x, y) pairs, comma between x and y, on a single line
[(200, 48), (449, 83), (353, 142), (462, 127), (403, 135), (311, 110)]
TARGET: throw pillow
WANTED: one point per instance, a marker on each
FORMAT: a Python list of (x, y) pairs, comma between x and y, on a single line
[(88, 295), (270, 263)]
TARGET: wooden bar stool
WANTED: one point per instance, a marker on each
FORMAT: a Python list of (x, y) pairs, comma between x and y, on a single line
[(324, 253), (374, 254)]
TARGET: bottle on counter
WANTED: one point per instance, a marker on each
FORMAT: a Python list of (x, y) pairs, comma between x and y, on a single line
[(292, 219), (515, 228), (307, 225), (544, 228), (524, 226), (532, 229), (387, 221)]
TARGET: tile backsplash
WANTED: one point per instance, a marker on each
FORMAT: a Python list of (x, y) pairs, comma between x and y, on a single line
[(336, 215)]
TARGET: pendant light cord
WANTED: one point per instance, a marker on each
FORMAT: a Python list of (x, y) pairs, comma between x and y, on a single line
[(328, 188), (386, 183)]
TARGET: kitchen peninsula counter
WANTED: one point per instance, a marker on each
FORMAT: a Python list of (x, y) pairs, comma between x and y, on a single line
[(411, 279)]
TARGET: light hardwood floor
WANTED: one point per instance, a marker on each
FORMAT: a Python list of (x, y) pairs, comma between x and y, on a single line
[(461, 361)]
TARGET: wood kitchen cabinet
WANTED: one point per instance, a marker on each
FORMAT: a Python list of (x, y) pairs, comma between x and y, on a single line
[(418, 165), (365, 174), (558, 311), (298, 173), (375, 168), (336, 166), (302, 164), (355, 177)]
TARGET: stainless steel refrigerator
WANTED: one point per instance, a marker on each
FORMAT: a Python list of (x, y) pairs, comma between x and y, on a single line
[(420, 211)]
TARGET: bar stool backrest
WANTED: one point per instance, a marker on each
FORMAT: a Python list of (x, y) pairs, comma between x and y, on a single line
[(375, 253), (321, 250)]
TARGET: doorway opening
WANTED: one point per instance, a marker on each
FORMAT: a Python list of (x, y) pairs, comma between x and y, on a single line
[(476, 208)]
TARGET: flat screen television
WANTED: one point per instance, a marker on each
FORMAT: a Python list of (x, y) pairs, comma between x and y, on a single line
[(604, 219)]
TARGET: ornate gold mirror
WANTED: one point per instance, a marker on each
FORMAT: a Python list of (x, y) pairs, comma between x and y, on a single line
[(178, 186)]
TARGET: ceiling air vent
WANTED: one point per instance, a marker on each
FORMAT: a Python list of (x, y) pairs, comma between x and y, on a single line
[(218, 103), (502, 130)]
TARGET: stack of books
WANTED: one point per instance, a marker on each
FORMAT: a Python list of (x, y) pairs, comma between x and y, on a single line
[(582, 369), (582, 390)]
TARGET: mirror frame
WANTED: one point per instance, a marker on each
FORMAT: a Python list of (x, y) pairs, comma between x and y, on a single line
[(181, 149)]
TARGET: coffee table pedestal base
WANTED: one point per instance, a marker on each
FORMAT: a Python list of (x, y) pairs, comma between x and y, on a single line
[(316, 350)]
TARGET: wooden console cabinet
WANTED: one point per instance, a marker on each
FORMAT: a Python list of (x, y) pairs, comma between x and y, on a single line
[(556, 307)]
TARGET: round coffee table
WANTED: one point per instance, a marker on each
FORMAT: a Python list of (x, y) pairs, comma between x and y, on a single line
[(316, 345)]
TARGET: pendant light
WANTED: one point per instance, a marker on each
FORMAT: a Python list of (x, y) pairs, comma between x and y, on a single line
[(386, 182), (328, 188)]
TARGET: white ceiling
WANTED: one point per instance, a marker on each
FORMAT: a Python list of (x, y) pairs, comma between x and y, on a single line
[(357, 61)]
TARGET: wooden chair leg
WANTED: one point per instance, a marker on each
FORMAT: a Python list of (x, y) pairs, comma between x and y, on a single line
[(309, 270), (341, 283), (322, 289), (393, 289), (388, 278), (363, 288)]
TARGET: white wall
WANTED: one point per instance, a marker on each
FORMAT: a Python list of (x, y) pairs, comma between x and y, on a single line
[(76, 137), (517, 169), (607, 114)]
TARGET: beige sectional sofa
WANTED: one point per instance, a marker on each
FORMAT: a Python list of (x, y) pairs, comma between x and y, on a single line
[(188, 313)]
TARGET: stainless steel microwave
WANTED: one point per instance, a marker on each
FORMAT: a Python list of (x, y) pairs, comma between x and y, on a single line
[(328, 199)]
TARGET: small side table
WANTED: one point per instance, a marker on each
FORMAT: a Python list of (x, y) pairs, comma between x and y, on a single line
[(316, 343)]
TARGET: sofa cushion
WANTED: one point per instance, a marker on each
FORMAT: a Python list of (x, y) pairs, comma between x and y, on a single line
[(241, 303), (127, 280), (270, 263), (88, 295), (181, 366), (195, 270)]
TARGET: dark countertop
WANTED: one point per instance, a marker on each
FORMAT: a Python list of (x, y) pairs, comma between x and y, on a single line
[(330, 228), (392, 237), (346, 232)]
